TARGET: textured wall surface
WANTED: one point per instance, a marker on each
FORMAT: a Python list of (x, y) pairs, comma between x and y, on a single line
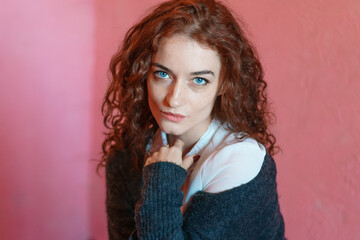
[(53, 62), (310, 51)]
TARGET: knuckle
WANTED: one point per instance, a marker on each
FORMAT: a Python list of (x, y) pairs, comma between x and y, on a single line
[(163, 149), (177, 150)]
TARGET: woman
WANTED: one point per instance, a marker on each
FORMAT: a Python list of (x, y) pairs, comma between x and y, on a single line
[(188, 152)]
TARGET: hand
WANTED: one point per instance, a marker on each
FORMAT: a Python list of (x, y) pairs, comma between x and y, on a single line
[(171, 154)]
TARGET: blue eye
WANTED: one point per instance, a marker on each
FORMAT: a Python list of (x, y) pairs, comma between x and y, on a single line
[(161, 74), (200, 81)]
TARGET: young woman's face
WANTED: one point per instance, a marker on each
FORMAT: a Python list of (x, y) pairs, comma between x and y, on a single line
[(183, 83)]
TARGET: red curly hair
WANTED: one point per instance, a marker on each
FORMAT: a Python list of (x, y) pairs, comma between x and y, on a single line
[(242, 104)]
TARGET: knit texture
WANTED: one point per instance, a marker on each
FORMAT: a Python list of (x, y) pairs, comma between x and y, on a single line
[(150, 205)]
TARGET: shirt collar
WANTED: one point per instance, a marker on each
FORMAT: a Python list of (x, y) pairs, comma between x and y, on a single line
[(200, 144)]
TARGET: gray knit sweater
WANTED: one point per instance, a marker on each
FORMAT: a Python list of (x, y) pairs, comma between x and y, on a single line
[(147, 205)]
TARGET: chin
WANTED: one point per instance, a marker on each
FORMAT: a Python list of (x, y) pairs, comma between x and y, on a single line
[(172, 129)]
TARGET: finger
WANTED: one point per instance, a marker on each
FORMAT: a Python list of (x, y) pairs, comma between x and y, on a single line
[(149, 160), (179, 144), (163, 151), (187, 162)]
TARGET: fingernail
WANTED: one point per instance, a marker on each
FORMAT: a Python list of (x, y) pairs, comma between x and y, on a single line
[(196, 157)]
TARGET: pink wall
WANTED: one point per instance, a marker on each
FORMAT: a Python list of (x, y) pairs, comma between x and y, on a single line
[(46, 84), (53, 62), (310, 50)]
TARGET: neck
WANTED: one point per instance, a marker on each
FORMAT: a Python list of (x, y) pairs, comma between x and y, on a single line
[(188, 143), (191, 137)]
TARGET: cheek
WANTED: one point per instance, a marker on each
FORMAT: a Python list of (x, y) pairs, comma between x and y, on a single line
[(203, 101), (151, 100), (154, 95)]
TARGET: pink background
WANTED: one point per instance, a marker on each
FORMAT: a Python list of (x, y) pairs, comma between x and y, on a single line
[(53, 62)]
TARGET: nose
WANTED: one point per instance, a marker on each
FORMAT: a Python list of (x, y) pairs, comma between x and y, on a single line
[(176, 95)]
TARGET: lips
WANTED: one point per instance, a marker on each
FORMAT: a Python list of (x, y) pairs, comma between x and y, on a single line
[(173, 117)]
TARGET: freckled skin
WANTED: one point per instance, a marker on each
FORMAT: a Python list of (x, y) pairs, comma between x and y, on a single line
[(184, 79)]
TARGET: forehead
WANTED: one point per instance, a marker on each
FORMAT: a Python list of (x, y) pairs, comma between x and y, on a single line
[(181, 52)]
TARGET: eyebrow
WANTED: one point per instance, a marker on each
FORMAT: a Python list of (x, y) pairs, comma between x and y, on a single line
[(203, 72)]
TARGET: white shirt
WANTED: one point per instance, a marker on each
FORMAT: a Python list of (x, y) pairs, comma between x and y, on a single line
[(225, 161)]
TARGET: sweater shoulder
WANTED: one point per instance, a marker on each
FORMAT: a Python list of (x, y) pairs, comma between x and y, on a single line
[(254, 205), (119, 162), (122, 177)]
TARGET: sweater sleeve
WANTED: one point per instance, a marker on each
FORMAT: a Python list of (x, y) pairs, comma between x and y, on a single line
[(157, 213)]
